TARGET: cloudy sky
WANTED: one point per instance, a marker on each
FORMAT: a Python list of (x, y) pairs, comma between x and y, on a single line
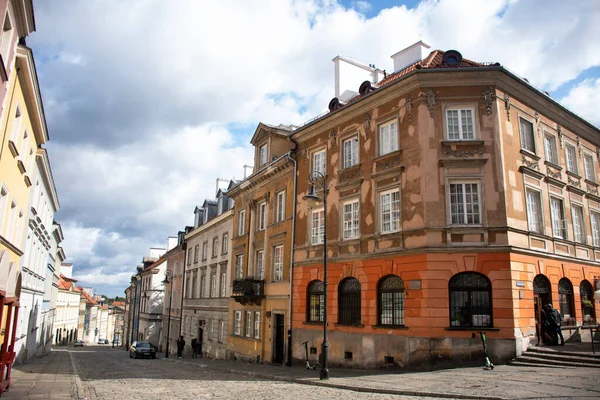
[(149, 101)]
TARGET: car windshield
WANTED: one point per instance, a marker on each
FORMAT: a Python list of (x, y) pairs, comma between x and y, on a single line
[(143, 345)]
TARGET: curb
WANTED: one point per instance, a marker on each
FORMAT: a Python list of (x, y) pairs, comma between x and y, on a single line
[(339, 386)]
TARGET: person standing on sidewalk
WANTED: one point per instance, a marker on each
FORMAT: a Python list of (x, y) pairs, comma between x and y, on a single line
[(194, 348), (555, 320), (180, 346)]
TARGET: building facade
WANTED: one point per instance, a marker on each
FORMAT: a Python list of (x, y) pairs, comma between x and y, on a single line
[(207, 272), (151, 297), (67, 311), (173, 304), (459, 199), (259, 318)]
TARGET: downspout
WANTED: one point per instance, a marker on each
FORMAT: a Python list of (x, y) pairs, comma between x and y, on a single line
[(289, 333), (184, 248)]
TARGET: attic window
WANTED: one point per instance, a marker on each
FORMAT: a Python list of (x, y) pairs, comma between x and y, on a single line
[(451, 57), (262, 153)]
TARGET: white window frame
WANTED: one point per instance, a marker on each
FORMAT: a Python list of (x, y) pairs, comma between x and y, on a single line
[(223, 284), (225, 244), (248, 324), (215, 246), (239, 266), (578, 223), (527, 141), (241, 222), (588, 166), (262, 216), (318, 161), (464, 204), (559, 225), (395, 222), (223, 331), (350, 152), (350, 219), (571, 158), (462, 135), (595, 224), (278, 263), (237, 323), (535, 218), (317, 232), (262, 155), (550, 149), (280, 208), (260, 264), (387, 137), (213, 285), (257, 325)]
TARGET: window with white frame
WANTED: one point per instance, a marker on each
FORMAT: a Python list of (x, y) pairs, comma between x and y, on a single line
[(225, 245), (203, 286), (213, 285), (595, 222), (262, 155), (280, 209), (464, 203), (204, 250), (278, 263), (588, 164), (559, 226), (578, 228), (215, 246), (534, 210), (571, 157), (237, 323), (260, 265), (196, 253), (317, 226), (223, 284), (350, 219), (318, 161), (6, 38), (262, 215), (257, 325), (239, 266), (527, 137), (222, 332), (388, 137), (248, 323), (389, 210), (550, 148), (459, 124), (241, 222), (350, 150)]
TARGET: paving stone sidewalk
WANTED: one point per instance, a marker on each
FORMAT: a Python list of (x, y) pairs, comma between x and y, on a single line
[(504, 382), (52, 377)]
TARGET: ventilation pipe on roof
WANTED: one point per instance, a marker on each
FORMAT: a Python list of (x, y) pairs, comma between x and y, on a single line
[(410, 55)]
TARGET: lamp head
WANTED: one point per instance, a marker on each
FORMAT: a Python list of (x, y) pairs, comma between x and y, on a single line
[(311, 198), (166, 281)]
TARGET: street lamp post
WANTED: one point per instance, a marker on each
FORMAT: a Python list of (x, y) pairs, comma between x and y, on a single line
[(317, 179), (168, 279)]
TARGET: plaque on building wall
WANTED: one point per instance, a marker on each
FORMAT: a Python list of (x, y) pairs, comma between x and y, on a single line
[(415, 285), (520, 284)]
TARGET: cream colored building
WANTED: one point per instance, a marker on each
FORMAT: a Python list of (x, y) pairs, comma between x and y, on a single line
[(67, 311)]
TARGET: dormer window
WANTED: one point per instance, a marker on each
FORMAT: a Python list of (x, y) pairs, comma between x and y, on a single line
[(262, 155)]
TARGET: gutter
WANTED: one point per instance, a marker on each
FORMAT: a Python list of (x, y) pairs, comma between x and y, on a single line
[(289, 333)]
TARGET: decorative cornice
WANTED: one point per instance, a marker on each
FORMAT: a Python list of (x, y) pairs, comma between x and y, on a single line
[(507, 105), (529, 164), (488, 99), (367, 122), (537, 122), (574, 182), (333, 138), (408, 106), (592, 189), (388, 163), (464, 153), (349, 174), (560, 136), (555, 175)]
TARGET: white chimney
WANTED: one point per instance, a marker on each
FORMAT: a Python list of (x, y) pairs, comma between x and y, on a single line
[(410, 55), (349, 74)]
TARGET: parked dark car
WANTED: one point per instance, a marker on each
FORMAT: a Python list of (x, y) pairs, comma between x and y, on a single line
[(78, 343), (142, 349)]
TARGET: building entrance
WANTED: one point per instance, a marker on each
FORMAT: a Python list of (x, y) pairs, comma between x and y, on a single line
[(542, 295)]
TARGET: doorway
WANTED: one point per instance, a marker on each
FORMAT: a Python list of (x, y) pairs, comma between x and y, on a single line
[(200, 340), (279, 338), (542, 295)]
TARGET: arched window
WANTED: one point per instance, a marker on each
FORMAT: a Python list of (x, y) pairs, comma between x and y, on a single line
[(391, 300), (565, 298), (349, 302), (587, 302), (470, 300), (316, 300)]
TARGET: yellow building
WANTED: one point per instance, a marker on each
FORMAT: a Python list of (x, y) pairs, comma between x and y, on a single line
[(23, 129)]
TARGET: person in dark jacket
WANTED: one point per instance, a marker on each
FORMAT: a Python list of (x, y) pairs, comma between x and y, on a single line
[(180, 347), (194, 348), (555, 322)]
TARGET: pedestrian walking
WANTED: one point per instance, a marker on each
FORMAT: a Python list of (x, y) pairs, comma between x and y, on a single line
[(555, 322), (194, 348), (180, 346)]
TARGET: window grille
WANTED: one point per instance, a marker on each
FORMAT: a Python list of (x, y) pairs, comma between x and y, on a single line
[(349, 302), (470, 300), (316, 299), (391, 301), (565, 298)]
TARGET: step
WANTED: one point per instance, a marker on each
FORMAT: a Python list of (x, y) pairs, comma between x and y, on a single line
[(562, 357), (518, 363), (548, 362), (559, 350)]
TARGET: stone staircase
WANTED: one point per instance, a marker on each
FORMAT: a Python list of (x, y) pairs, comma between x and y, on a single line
[(557, 357)]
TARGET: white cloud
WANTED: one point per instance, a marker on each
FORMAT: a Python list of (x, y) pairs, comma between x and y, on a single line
[(139, 94), (584, 99)]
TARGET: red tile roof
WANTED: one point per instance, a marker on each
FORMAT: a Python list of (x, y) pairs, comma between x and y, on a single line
[(118, 303), (86, 296)]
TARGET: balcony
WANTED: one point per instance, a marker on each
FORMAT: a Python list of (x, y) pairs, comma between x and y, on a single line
[(248, 290)]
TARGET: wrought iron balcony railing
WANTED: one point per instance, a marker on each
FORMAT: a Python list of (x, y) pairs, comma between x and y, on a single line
[(247, 290)]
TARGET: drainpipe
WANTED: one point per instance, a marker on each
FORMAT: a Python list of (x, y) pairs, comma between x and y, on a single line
[(289, 333), (184, 247)]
